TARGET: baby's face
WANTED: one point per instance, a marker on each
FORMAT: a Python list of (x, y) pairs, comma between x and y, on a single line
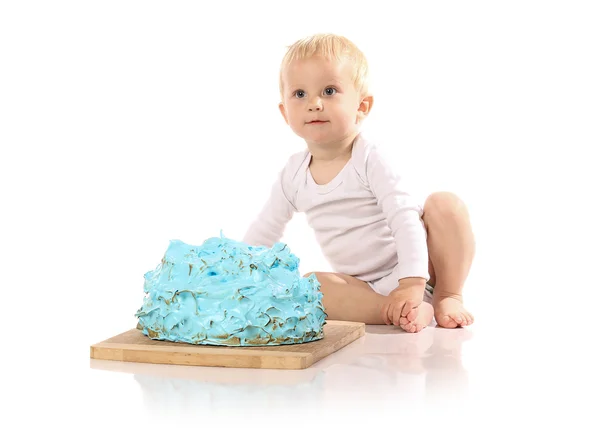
[(318, 89)]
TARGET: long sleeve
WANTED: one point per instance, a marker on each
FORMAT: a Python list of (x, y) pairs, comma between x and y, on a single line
[(403, 214), (269, 225)]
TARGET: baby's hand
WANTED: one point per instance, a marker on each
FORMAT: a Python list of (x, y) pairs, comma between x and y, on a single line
[(402, 305)]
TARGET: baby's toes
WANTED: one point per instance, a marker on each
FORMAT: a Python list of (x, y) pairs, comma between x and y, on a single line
[(459, 318), (446, 322), (414, 327), (467, 319), (409, 327), (470, 318)]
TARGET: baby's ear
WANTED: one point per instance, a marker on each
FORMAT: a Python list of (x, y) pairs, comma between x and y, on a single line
[(365, 107), (283, 113)]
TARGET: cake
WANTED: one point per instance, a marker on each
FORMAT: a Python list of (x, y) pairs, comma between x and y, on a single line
[(229, 293)]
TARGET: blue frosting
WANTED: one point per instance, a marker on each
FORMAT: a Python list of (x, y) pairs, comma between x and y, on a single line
[(228, 293)]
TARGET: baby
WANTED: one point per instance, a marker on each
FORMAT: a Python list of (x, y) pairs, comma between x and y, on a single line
[(397, 261)]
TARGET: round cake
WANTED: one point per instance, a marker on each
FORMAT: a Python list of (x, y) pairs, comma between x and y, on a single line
[(229, 293)]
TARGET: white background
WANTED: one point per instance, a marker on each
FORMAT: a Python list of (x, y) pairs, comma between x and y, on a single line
[(125, 124)]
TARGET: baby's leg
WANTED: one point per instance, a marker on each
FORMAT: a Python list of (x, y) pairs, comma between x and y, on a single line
[(347, 298), (451, 251)]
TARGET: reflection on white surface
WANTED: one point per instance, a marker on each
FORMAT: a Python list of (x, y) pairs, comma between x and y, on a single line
[(387, 365), (495, 380)]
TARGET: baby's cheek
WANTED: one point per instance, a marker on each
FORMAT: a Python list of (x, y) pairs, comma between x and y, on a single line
[(349, 122)]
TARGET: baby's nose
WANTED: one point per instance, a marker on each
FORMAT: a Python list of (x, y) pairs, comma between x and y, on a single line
[(315, 105)]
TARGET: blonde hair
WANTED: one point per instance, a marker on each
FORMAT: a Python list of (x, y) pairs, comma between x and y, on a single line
[(331, 47)]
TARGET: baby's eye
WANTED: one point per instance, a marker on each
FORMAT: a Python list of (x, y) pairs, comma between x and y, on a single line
[(330, 91), (299, 94)]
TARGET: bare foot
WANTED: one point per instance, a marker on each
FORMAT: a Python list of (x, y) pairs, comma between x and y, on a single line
[(449, 311), (403, 308), (419, 317)]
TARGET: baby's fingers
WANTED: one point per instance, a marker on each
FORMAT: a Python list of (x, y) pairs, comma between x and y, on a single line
[(396, 313), (409, 306)]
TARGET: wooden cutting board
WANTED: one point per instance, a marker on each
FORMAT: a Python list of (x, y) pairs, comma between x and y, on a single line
[(136, 347)]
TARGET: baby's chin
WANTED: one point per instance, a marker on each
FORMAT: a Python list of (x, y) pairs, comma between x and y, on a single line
[(332, 138), (315, 136)]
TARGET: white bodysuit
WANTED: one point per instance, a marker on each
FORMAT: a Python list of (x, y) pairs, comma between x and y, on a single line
[(367, 223)]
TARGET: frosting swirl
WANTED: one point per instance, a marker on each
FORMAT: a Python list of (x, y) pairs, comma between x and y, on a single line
[(229, 293)]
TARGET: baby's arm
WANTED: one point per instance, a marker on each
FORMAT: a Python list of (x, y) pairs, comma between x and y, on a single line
[(403, 213), (269, 225)]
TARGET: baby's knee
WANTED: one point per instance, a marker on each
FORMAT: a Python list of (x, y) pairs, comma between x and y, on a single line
[(325, 278), (318, 275), (443, 204)]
